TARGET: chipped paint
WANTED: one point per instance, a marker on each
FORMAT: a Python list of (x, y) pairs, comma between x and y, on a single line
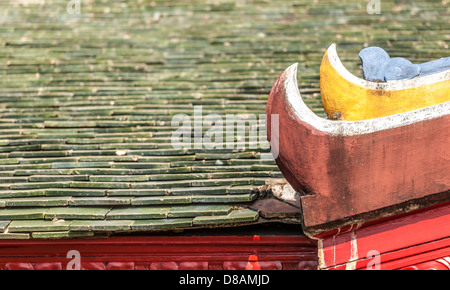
[(351, 265), (321, 255)]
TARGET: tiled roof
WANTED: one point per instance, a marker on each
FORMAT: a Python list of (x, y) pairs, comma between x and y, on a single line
[(87, 102)]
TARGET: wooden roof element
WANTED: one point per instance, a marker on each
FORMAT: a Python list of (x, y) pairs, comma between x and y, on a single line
[(347, 97), (354, 171)]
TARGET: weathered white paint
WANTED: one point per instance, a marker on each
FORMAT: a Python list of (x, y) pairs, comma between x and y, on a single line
[(351, 265), (387, 86), (352, 128), (321, 255)]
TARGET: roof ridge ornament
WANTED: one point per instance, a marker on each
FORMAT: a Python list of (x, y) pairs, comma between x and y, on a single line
[(348, 97), (378, 66), (350, 172)]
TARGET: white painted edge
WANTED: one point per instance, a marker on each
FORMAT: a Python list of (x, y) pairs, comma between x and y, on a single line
[(352, 128), (321, 255), (351, 264), (386, 86)]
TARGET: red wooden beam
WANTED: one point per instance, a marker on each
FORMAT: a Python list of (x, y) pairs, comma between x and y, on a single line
[(195, 252)]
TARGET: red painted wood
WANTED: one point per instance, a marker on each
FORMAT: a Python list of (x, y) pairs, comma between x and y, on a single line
[(401, 241), (162, 253), (344, 176), (440, 264), (404, 258)]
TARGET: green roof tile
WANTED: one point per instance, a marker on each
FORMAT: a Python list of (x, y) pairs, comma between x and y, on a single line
[(3, 225), (223, 198), (122, 178), (22, 214), (104, 185), (138, 213), (86, 133), (101, 226), (14, 236), (198, 210), (99, 201), (216, 190), (75, 192), (85, 213), (159, 200), (61, 235), (21, 193), (152, 225), (37, 201), (137, 192), (38, 225), (238, 216)]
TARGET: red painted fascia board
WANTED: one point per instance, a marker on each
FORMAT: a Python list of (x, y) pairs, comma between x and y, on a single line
[(393, 235), (406, 257), (220, 248)]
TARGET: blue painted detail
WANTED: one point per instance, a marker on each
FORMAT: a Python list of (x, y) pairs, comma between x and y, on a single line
[(379, 67), (436, 66), (398, 68), (374, 60)]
